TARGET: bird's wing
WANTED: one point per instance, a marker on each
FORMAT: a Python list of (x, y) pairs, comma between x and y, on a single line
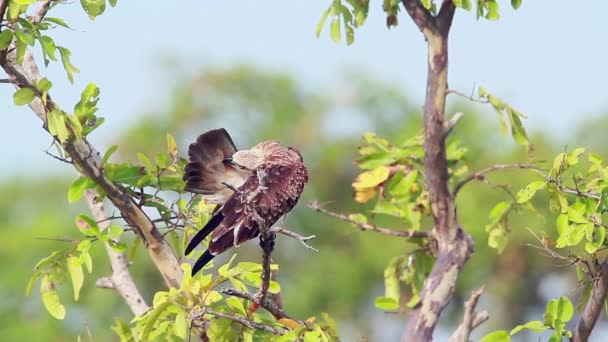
[(206, 171), (280, 191)]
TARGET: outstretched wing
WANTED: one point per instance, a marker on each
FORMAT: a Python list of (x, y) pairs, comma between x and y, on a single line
[(278, 194), (206, 171)]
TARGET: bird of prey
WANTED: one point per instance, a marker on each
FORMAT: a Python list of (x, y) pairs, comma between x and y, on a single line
[(253, 188)]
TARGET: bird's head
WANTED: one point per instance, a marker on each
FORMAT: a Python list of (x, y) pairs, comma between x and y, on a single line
[(248, 160)]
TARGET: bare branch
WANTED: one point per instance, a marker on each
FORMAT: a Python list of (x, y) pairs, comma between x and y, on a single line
[(296, 236), (3, 6), (463, 331), (468, 97), (248, 323), (277, 312), (479, 175), (41, 12), (314, 205), (121, 279), (88, 162), (450, 124), (594, 306)]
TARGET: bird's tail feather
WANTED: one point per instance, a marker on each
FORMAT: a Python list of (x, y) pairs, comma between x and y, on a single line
[(202, 234), (202, 261)]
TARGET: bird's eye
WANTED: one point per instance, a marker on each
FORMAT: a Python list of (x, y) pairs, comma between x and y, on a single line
[(227, 161)]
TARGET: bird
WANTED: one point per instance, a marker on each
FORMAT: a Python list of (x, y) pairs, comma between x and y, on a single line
[(250, 187)]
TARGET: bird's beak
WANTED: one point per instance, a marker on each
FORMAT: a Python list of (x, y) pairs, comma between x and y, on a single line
[(229, 161)]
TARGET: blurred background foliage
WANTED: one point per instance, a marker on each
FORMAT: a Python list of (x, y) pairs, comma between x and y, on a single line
[(346, 275)]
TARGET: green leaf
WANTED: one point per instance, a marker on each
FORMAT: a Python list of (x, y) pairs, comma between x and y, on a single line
[(32, 282), (93, 8), (236, 304), (181, 324), (23, 96), (528, 192), (152, 318), (107, 155), (57, 21), (427, 4), (536, 326), (70, 68), (48, 47), (492, 7), (498, 239), (113, 2), (6, 37), (517, 129), (386, 303), (87, 225), (56, 255), (26, 38), (76, 274), (515, 4), (334, 29), (78, 188), (321, 22), (85, 258), (50, 299), (466, 4), (57, 127), (497, 336), (44, 85)]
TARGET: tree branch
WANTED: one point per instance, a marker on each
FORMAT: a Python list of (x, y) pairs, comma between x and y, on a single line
[(88, 163), (594, 306), (296, 236), (454, 246), (479, 175), (248, 323), (314, 205), (471, 319), (121, 279), (267, 304)]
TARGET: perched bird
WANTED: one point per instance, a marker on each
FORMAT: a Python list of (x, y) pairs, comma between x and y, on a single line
[(251, 187)]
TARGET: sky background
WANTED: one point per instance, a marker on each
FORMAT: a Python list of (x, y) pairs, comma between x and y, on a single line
[(546, 59)]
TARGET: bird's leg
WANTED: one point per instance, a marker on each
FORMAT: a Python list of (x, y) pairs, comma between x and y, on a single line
[(229, 186)]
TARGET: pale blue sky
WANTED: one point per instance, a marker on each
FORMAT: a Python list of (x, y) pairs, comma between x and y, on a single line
[(547, 59)]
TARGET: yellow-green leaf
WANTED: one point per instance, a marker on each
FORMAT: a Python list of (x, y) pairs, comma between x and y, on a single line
[(528, 192), (372, 178), (76, 274), (181, 324), (321, 22), (334, 30), (57, 127), (50, 299), (23, 96)]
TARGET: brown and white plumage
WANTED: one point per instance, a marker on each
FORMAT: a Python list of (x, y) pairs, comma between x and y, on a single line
[(274, 179)]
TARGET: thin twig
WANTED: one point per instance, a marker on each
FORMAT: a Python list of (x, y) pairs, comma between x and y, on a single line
[(246, 322), (314, 205), (296, 236), (72, 241), (463, 331), (67, 161), (277, 312), (468, 97), (41, 12), (479, 175)]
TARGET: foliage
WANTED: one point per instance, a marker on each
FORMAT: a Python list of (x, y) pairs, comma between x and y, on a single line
[(390, 186)]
